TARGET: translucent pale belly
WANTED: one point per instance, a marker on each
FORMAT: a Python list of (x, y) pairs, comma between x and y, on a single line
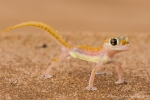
[(85, 57)]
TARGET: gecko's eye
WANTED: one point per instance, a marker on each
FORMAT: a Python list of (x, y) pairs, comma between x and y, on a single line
[(113, 42)]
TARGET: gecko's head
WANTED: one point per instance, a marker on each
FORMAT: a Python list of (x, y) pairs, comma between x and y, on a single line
[(117, 44)]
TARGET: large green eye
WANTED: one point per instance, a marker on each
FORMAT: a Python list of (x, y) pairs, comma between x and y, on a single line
[(113, 42)]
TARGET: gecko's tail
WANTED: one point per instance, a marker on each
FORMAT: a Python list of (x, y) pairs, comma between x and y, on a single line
[(46, 27)]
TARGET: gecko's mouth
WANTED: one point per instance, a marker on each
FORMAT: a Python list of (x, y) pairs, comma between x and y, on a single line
[(117, 47), (122, 47)]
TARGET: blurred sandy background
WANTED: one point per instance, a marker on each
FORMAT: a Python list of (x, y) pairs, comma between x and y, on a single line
[(79, 15)]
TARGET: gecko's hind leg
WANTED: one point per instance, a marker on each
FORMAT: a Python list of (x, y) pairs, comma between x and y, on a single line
[(62, 56)]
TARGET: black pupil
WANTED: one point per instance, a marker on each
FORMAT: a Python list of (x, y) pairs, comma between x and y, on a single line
[(113, 42)]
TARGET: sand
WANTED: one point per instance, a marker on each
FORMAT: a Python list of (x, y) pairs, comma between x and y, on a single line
[(23, 59)]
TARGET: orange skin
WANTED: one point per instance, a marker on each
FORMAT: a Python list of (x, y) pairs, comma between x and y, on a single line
[(100, 55)]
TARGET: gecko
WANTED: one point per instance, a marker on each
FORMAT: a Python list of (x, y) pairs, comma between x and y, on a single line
[(100, 55)]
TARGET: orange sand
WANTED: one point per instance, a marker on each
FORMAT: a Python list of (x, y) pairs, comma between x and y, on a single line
[(23, 60)]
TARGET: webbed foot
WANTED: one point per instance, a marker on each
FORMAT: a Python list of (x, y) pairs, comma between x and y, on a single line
[(91, 88), (46, 76), (101, 73), (121, 82)]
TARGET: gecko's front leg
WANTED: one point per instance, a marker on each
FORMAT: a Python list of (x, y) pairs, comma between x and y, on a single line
[(120, 72), (92, 77)]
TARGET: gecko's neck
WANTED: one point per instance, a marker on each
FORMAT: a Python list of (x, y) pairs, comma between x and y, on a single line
[(110, 53)]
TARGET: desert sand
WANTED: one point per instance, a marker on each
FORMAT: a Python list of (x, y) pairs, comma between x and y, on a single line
[(23, 59)]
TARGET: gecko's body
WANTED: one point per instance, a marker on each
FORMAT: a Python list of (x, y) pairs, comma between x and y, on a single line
[(91, 56), (100, 55)]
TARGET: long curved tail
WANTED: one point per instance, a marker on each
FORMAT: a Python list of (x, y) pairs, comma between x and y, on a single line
[(46, 27)]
